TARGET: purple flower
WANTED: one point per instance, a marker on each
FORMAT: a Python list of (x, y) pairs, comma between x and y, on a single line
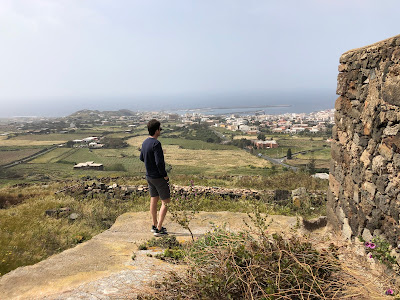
[(389, 292), (370, 256), (367, 244), (372, 246), (191, 182)]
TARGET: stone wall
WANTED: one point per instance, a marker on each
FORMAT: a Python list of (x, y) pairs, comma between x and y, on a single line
[(363, 196)]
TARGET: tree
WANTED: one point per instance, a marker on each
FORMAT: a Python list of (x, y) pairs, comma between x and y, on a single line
[(261, 136), (114, 143), (311, 166), (289, 154), (70, 144)]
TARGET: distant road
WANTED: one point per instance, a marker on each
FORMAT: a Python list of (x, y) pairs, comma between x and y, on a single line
[(220, 135), (279, 161), (275, 161)]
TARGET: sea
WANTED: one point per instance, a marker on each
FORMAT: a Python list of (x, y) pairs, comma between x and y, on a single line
[(213, 104), (260, 104), (250, 110)]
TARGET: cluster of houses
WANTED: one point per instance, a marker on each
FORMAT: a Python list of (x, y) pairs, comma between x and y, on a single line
[(287, 123), (90, 142), (291, 123)]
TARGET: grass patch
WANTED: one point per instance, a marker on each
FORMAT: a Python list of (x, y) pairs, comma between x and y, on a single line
[(53, 156), (213, 162), (296, 144), (28, 236), (116, 167)]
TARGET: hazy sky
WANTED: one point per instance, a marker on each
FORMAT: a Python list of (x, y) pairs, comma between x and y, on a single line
[(58, 56)]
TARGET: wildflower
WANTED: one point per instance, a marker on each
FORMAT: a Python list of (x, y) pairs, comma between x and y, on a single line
[(389, 292), (191, 182), (370, 256), (372, 246), (367, 244)]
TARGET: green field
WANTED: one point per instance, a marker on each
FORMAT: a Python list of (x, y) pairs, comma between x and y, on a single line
[(324, 154), (110, 158), (186, 157), (194, 144), (296, 144), (52, 137)]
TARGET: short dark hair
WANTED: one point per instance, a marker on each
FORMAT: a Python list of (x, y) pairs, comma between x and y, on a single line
[(153, 125)]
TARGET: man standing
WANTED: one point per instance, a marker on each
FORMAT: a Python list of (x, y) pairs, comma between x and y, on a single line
[(153, 157)]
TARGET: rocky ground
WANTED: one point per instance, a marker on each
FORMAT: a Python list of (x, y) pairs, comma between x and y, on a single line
[(103, 268)]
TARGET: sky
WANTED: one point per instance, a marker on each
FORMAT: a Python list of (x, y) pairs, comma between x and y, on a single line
[(59, 56)]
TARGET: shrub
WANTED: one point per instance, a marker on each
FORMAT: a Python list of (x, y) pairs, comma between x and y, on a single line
[(226, 265), (114, 143), (173, 252), (162, 242)]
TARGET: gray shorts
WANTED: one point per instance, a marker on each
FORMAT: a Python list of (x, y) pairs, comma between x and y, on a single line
[(159, 187)]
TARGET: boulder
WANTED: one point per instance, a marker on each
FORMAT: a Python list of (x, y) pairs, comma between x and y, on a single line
[(73, 216), (378, 163), (301, 191), (281, 195)]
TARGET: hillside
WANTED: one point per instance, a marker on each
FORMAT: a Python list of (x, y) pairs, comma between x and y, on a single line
[(103, 267), (87, 113)]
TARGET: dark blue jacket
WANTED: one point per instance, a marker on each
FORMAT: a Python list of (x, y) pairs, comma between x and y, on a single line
[(153, 157)]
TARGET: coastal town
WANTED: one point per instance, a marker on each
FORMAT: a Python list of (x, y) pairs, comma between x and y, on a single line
[(289, 123)]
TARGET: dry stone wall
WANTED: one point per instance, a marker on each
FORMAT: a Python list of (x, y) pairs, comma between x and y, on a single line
[(363, 196)]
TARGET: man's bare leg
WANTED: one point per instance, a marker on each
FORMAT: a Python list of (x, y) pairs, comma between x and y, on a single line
[(163, 212), (153, 209)]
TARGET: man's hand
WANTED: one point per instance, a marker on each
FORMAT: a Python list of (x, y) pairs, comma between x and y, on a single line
[(166, 178)]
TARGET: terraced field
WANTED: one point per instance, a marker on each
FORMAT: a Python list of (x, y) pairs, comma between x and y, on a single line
[(197, 157), (112, 159), (11, 155)]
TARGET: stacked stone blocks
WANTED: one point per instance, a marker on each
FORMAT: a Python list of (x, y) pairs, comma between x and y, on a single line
[(363, 196)]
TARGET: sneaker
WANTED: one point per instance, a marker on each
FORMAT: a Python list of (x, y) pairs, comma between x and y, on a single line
[(154, 228), (161, 232)]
